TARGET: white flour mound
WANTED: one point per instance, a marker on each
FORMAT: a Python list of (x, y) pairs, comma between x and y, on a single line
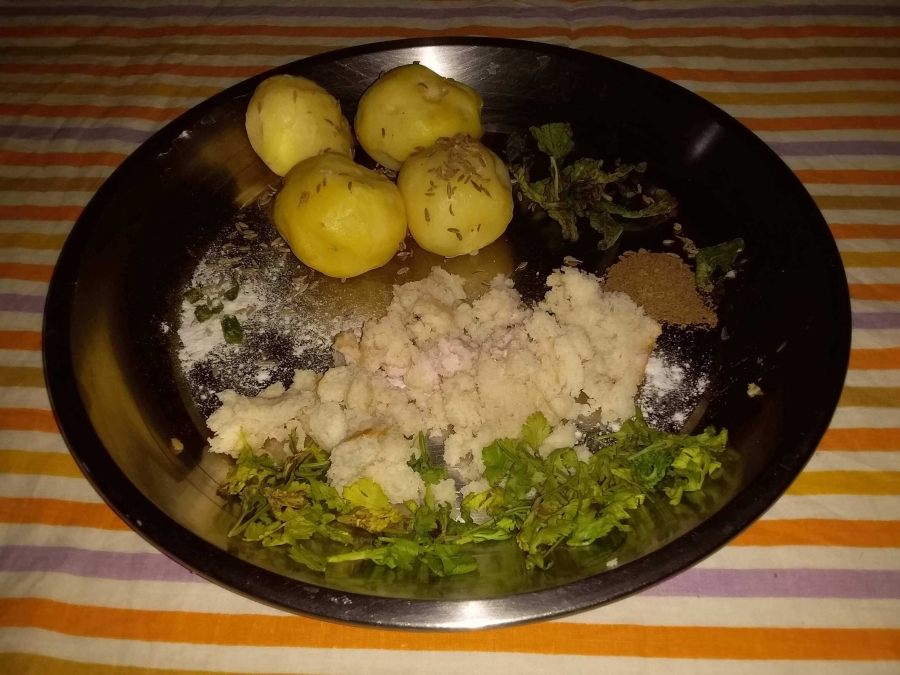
[(470, 371)]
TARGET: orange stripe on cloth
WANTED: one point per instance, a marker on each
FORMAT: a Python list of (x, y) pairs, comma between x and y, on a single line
[(40, 213), (34, 664), (860, 439), (112, 89), (374, 31), (865, 231), (766, 76), (25, 271), (815, 532), (20, 339), (94, 111), (59, 512), (688, 642), (51, 184), (875, 359), (27, 419), (16, 158), (875, 292), (819, 123), (772, 98), (848, 177), (130, 70)]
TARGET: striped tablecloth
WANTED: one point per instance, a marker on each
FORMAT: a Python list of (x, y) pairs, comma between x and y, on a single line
[(812, 588)]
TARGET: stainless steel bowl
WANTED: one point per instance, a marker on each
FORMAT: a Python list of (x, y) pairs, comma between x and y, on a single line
[(119, 397)]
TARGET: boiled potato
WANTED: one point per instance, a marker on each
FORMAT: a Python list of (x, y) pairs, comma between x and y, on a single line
[(458, 196), (290, 119), (338, 217), (411, 107)]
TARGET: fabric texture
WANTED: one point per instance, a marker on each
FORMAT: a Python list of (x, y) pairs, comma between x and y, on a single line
[(813, 587)]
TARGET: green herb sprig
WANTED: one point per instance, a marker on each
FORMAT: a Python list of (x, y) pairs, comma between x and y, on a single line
[(579, 190)]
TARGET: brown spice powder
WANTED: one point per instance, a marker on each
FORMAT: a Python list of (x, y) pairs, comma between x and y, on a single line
[(663, 285)]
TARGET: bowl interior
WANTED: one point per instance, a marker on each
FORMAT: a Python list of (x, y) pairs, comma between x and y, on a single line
[(784, 323)]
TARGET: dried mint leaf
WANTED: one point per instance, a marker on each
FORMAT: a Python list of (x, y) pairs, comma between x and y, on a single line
[(590, 171), (232, 291), (232, 330), (538, 192), (516, 147), (665, 203), (609, 229), (721, 257), (554, 139), (203, 313), (193, 296), (567, 221)]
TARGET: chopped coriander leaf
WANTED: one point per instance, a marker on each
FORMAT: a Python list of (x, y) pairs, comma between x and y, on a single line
[(373, 512), (424, 465), (303, 555), (543, 502), (535, 430)]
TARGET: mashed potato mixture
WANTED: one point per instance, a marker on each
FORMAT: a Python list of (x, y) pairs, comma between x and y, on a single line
[(467, 371)]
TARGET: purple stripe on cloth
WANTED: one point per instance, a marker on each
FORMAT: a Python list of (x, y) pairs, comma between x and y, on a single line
[(73, 133), (444, 13), (96, 564), (821, 148), (792, 583), (796, 583), (14, 302), (876, 320)]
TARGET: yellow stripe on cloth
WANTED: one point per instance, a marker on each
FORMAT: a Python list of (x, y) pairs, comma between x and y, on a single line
[(847, 483), (43, 463)]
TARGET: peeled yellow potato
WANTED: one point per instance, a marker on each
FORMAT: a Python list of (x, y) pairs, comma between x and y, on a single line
[(458, 196), (411, 107), (290, 119), (339, 217)]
